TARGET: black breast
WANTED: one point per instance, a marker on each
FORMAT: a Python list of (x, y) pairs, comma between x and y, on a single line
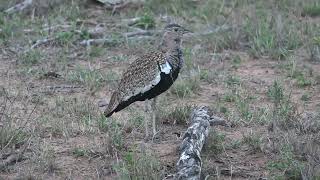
[(165, 83)]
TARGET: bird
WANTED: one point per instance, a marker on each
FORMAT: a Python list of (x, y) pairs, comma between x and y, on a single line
[(150, 75)]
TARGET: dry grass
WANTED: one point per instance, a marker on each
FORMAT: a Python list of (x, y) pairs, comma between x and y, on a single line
[(258, 68)]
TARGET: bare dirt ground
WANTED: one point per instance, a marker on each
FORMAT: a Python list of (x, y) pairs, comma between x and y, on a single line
[(51, 122)]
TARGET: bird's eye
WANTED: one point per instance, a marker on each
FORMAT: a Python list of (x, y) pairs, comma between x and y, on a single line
[(176, 29)]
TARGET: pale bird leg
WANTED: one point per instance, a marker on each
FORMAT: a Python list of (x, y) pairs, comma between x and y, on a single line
[(154, 118), (154, 108), (147, 117)]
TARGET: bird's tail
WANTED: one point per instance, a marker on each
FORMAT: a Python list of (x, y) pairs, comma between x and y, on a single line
[(112, 105)]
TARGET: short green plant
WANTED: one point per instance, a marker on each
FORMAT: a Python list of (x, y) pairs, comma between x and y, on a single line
[(180, 114), (243, 106), (114, 130), (147, 21), (11, 136), (95, 51), (233, 80), (312, 10), (65, 37), (47, 159), (79, 152), (215, 143), (185, 88), (137, 166), (92, 78), (30, 58), (276, 92), (286, 164), (252, 140), (306, 97), (267, 39)]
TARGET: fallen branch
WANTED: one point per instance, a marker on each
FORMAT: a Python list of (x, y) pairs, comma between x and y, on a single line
[(100, 41), (140, 33), (189, 163), (41, 42), (118, 5), (19, 7)]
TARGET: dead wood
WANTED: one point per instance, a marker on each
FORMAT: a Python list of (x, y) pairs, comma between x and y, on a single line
[(42, 42), (19, 7), (189, 163), (116, 5)]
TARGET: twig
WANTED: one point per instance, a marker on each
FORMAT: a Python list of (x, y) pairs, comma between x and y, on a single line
[(140, 33), (115, 6), (42, 41), (19, 7), (90, 42)]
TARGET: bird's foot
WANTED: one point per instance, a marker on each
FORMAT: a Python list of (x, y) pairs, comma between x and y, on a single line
[(156, 136)]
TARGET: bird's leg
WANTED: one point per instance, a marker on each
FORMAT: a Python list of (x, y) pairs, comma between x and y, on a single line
[(147, 109), (154, 108)]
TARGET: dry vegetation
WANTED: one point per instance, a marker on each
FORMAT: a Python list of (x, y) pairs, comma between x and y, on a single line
[(255, 63)]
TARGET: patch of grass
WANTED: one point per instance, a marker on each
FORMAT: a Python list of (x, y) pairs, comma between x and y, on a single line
[(306, 97), (187, 87), (180, 114), (235, 144), (79, 152), (275, 39), (93, 79), (136, 166), (115, 132), (233, 80), (11, 136), (243, 106), (136, 120), (312, 10), (208, 75), (302, 81), (215, 143), (119, 58), (276, 92), (31, 58), (11, 27), (236, 62), (47, 159), (65, 37), (95, 51), (147, 21), (229, 97), (286, 163), (253, 141)]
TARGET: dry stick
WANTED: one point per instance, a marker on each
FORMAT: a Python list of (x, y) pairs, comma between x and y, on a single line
[(189, 163), (41, 42), (19, 7)]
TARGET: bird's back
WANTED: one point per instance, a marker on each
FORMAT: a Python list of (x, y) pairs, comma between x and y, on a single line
[(145, 78)]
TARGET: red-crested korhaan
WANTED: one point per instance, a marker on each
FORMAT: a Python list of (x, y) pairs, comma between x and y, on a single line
[(150, 75)]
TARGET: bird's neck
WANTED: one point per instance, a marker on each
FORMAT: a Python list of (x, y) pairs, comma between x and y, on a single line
[(170, 46), (173, 52)]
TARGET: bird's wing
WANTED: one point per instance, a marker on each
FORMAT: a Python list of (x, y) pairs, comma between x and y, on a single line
[(141, 75)]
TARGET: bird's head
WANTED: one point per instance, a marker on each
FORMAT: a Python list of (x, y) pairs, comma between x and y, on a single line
[(172, 36), (175, 31)]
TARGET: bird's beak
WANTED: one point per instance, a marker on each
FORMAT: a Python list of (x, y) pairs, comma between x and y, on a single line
[(185, 31)]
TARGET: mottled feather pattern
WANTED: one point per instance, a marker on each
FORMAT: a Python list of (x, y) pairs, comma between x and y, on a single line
[(139, 74)]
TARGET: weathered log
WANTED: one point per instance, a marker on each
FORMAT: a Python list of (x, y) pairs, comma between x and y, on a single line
[(189, 163)]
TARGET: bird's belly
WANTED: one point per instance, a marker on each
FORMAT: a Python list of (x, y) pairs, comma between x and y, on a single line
[(164, 84)]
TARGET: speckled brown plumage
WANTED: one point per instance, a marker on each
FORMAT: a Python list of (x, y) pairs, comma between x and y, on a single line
[(150, 74), (138, 75)]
